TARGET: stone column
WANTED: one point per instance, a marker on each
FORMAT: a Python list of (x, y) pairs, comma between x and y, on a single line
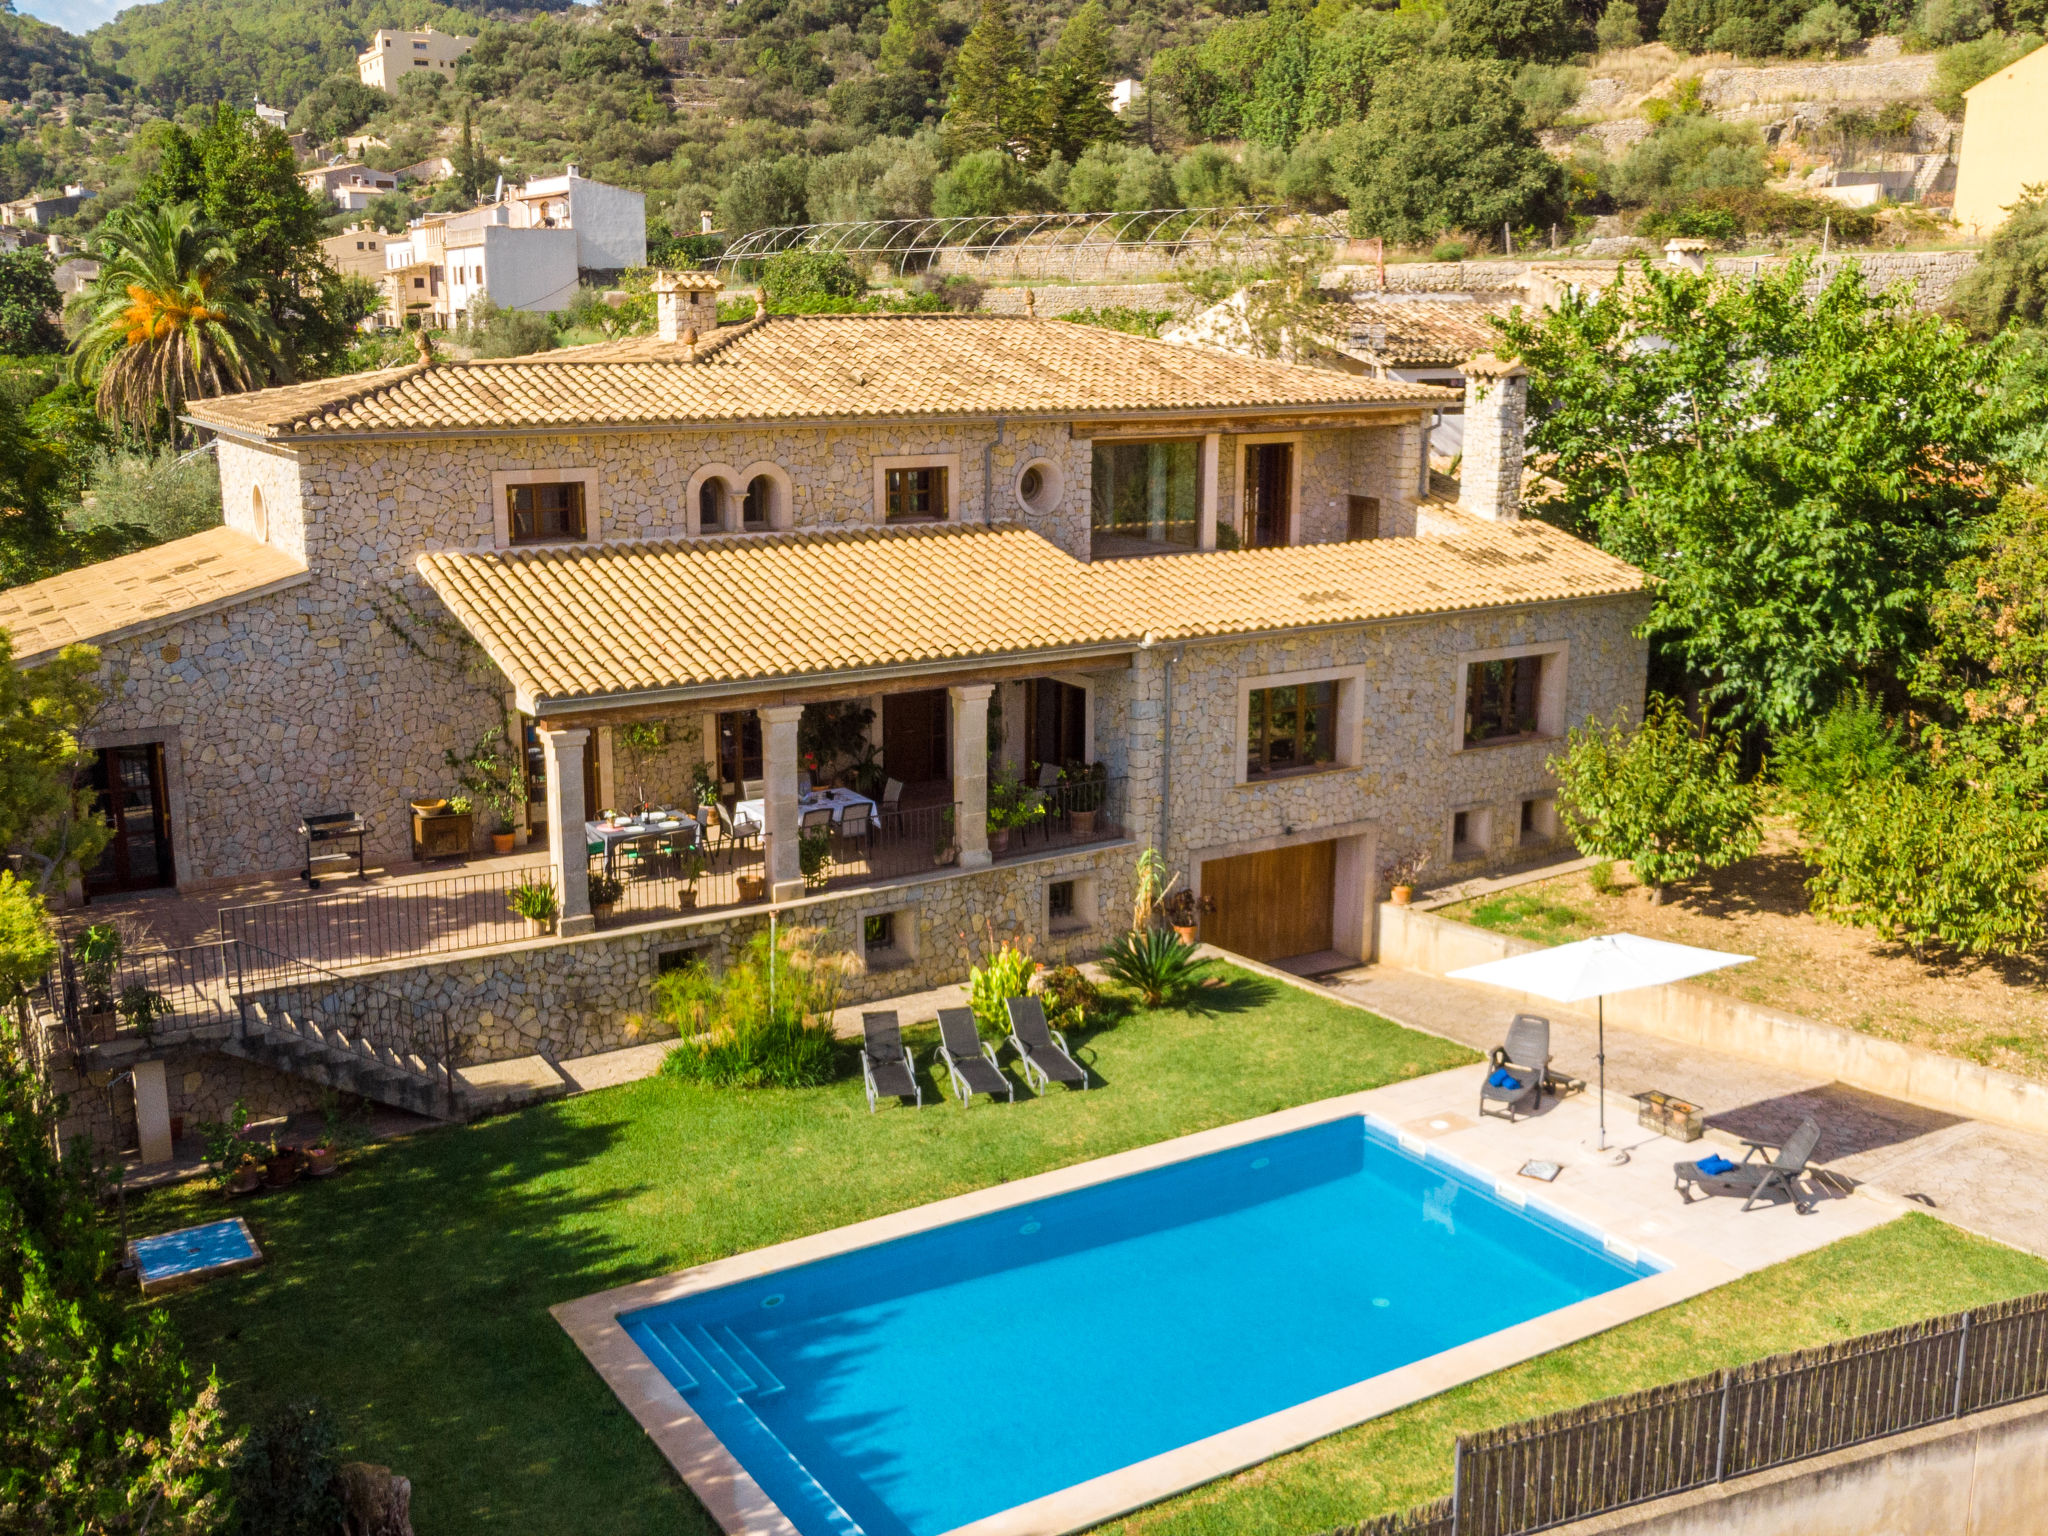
[(568, 862), (1205, 536), (781, 813), (152, 1112), (970, 771), (1496, 404)]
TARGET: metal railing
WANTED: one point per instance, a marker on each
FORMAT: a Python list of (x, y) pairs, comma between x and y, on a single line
[(1090, 811), (361, 925), (1690, 1434), (151, 996)]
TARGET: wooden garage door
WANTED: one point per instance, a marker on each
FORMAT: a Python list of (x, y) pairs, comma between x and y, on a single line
[(1272, 905)]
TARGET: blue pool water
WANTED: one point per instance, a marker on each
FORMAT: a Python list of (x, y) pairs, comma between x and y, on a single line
[(911, 1387)]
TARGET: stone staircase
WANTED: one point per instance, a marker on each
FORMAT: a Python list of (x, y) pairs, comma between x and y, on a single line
[(355, 1063)]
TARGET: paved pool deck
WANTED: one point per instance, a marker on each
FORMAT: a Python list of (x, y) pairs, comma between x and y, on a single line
[(1705, 1244)]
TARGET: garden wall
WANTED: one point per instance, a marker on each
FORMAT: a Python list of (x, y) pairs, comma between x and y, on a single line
[(1422, 941), (1978, 1476)]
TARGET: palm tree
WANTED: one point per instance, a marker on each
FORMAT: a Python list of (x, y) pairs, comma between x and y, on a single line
[(169, 318)]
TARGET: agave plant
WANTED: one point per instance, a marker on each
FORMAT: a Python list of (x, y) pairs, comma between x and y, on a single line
[(1156, 963), (170, 318)]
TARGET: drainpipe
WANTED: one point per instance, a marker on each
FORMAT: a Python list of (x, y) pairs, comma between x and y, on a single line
[(1168, 658), (988, 473)]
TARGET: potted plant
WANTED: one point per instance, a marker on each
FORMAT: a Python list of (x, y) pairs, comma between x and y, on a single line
[(753, 887), (1184, 911), (337, 1134), (492, 775), (690, 868), (605, 891), (234, 1169), (140, 1007), (429, 807), (1400, 875), (97, 951), (535, 900), (945, 847), (282, 1168), (704, 783), (1012, 805), (245, 1178), (1086, 784), (814, 856)]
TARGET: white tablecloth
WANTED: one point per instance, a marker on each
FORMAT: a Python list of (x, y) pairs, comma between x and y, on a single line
[(613, 837), (840, 801)]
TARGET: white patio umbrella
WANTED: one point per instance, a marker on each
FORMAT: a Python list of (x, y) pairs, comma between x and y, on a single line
[(1613, 962)]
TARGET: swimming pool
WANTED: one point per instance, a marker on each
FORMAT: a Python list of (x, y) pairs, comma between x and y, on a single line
[(921, 1384)]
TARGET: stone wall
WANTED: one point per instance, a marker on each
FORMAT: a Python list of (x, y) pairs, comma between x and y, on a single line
[(200, 1084), (1898, 79), (1055, 299)]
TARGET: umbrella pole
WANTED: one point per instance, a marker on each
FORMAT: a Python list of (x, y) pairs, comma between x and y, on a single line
[(1600, 1055)]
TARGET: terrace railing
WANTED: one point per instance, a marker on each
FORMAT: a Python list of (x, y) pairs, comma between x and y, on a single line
[(1651, 1444), (1092, 811), (363, 925), (159, 995)]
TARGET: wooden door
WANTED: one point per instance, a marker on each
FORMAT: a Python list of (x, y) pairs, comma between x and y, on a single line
[(1269, 906), (914, 736), (129, 785)]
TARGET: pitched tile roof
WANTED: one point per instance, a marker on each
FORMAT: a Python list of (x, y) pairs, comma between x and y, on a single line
[(662, 618), (135, 592), (1411, 332), (805, 368)]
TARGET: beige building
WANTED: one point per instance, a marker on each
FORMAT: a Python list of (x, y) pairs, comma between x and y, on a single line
[(1028, 596), (357, 251), (350, 188), (393, 54), (2004, 150)]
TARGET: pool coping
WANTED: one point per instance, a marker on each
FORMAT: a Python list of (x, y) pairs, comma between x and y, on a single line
[(742, 1508)]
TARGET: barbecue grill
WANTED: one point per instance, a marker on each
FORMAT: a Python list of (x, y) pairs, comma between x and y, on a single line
[(327, 835)]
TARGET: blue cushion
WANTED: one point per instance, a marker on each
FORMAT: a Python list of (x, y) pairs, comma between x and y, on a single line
[(1713, 1162), (1503, 1079)]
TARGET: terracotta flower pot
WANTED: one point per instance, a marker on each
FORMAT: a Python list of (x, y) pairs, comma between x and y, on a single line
[(501, 842), (284, 1169), (753, 887), (1402, 895), (1084, 823), (430, 807), (321, 1162), (1187, 934), (999, 842), (246, 1179)]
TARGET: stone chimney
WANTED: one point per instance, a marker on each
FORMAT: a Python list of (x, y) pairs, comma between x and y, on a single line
[(1687, 255), (1496, 407), (685, 301)]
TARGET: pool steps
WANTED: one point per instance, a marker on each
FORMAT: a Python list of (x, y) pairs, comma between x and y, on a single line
[(690, 1368)]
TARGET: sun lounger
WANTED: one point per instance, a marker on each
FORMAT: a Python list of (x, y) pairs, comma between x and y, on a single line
[(970, 1060), (1041, 1048), (1514, 1072), (1751, 1178), (885, 1064)]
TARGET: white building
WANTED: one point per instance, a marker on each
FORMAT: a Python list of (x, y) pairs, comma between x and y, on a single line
[(349, 187), (394, 54), (610, 222)]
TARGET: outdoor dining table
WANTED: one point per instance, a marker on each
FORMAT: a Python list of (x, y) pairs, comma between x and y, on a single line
[(839, 800), (615, 835)]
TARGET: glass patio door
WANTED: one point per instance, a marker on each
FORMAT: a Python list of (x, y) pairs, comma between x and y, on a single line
[(128, 783)]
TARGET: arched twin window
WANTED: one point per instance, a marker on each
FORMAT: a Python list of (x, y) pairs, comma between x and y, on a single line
[(723, 508)]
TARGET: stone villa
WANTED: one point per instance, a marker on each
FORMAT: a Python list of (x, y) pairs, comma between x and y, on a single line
[(990, 548)]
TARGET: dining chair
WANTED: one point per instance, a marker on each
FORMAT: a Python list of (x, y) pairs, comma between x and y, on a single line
[(811, 820), (750, 789), (1048, 775), (892, 792), (803, 781), (854, 821)]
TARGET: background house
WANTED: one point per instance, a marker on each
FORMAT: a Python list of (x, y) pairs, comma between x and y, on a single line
[(2004, 151), (394, 53)]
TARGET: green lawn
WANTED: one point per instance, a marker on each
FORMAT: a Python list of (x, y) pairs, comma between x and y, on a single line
[(411, 1293)]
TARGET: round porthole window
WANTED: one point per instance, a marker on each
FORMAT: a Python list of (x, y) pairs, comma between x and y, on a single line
[(1039, 487)]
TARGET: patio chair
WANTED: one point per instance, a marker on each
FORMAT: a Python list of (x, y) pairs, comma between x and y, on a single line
[(1041, 1048), (1752, 1179), (970, 1060), (886, 1066), (740, 832), (803, 781), (810, 821), (750, 789), (1048, 775), (1515, 1071), (892, 795), (854, 821)]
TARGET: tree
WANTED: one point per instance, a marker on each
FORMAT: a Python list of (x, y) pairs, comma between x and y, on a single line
[(996, 101), (43, 712), (473, 171), (1444, 147), (29, 303), (987, 181), (762, 195), (1987, 669), (806, 274), (2009, 283), (34, 473), (1621, 26), (1076, 85), (1691, 153), (1939, 861), (1796, 472), (1509, 29), (1347, 58), (170, 316), (243, 179), (1667, 796), (337, 107), (1276, 112)]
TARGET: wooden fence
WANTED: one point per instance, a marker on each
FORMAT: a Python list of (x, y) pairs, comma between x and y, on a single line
[(1646, 1445)]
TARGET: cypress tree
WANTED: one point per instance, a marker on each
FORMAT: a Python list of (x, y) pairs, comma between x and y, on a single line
[(1076, 83), (996, 103)]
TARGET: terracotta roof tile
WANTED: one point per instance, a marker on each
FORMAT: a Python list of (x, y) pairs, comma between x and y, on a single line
[(1416, 332), (153, 586), (668, 616), (806, 368)]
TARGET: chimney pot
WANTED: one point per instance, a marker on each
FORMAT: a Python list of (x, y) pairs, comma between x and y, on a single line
[(1496, 410)]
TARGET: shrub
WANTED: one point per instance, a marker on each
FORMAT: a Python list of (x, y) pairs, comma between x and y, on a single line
[(1690, 154), (1852, 745), (1620, 26), (494, 331), (2010, 280), (1946, 22), (986, 182), (1067, 996), (1601, 878), (803, 274), (149, 498), (1937, 862), (766, 1022), (1755, 211), (1121, 317), (535, 901), (1965, 64), (1827, 28), (1156, 963), (1006, 973), (283, 1477), (1448, 250), (1548, 92), (1666, 796)]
